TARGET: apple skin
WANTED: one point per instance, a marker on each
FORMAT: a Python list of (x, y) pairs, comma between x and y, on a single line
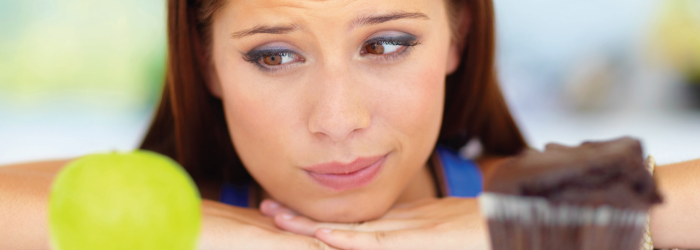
[(137, 201)]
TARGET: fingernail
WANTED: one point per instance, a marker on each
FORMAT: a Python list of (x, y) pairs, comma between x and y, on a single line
[(273, 204), (326, 230), (287, 216)]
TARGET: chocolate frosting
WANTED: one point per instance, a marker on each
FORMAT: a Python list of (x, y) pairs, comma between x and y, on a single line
[(592, 174)]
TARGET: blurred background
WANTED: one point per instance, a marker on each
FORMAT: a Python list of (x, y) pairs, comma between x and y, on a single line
[(78, 77)]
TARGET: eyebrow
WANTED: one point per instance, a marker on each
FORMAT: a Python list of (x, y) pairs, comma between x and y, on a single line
[(265, 29), (361, 21), (377, 19)]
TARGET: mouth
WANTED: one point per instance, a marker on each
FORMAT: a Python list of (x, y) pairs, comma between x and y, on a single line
[(339, 177)]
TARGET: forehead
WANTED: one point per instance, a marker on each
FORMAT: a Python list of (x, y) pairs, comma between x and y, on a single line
[(334, 13)]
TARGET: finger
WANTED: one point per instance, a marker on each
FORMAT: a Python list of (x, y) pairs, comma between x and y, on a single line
[(296, 224), (271, 208), (305, 226), (399, 239)]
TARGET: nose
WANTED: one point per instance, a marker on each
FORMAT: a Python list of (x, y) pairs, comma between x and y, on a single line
[(339, 110)]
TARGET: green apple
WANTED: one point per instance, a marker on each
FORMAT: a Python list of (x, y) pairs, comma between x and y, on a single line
[(138, 200)]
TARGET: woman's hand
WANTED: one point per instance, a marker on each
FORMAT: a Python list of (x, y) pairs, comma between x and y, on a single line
[(229, 227), (446, 223)]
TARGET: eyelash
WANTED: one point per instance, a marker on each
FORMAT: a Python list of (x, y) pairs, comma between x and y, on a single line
[(256, 56), (387, 58)]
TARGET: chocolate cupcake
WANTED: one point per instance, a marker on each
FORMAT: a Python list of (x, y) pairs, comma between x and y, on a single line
[(594, 196)]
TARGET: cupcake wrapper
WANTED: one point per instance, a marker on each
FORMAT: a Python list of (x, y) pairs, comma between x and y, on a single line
[(517, 222)]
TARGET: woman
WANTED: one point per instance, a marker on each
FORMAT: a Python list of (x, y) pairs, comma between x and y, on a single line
[(333, 120)]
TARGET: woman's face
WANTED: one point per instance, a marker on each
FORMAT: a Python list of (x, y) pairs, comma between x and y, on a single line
[(333, 106)]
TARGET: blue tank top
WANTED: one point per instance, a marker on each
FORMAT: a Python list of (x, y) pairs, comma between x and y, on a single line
[(456, 176)]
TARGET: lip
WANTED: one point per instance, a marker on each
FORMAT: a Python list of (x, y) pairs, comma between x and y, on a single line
[(339, 176)]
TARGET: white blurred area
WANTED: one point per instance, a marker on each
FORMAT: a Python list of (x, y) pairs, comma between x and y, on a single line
[(77, 77), (599, 69), (571, 71)]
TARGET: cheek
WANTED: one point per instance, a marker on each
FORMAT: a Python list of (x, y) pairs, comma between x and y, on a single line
[(417, 115), (411, 107), (259, 119), (413, 102), (420, 107), (417, 106)]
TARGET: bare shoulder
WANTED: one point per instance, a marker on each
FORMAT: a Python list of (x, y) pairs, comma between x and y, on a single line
[(50, 167)]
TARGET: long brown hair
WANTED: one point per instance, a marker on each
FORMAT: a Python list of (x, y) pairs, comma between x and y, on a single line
[(190, 126)]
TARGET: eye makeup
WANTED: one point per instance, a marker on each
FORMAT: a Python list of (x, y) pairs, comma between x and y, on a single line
[(382, 49), (402, 40), (272, 59), (387, 49)]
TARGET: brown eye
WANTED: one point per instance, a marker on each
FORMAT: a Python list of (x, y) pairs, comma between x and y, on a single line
[(272, 60), (375, 48)]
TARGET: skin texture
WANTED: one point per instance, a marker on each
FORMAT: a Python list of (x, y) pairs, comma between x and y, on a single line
[(675, 223), (335, 107), (337, 104), (24, 191)]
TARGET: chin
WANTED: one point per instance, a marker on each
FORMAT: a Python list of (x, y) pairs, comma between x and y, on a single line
[(344, 211)]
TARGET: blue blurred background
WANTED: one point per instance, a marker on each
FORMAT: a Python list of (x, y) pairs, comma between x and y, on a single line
[(84, 76)]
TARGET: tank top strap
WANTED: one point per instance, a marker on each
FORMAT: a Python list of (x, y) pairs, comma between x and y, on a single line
[(235, 195), (457, 176)]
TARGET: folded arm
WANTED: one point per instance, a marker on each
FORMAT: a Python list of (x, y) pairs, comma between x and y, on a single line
[(24, 196), (676, 222), (24, 192)]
